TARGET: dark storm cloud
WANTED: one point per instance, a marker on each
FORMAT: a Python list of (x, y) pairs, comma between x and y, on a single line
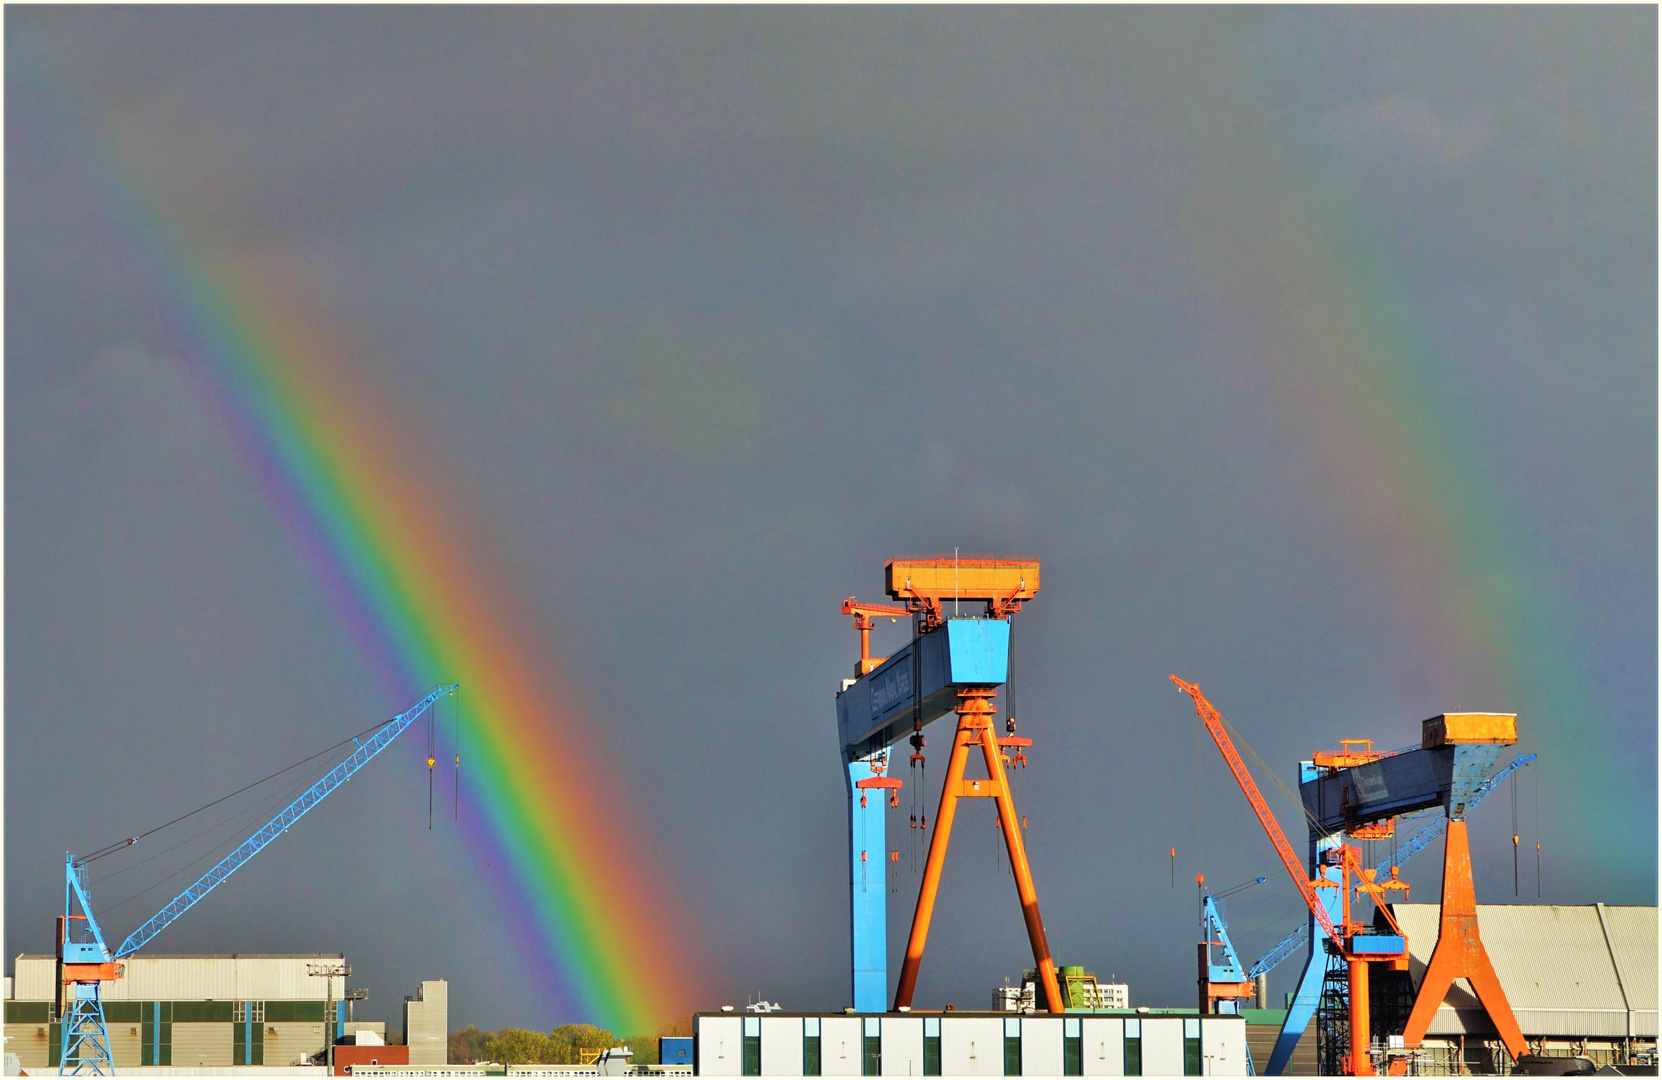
[(711, 312)]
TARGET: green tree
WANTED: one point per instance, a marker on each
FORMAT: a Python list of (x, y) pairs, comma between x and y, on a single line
[(467, 1045), (580, 1037), (515, 1046)]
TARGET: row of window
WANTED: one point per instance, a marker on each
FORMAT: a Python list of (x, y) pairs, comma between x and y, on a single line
[(871, 1058)]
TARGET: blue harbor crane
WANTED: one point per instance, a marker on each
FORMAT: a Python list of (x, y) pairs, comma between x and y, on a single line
[(86, 962)]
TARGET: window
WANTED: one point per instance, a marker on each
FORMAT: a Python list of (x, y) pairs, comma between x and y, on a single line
[(753, 1046), (1012, 1046), (871, 1062), (1191, 1047), (258, 1009), (810, 1046), (239, 1012), (1073, 1047), (931, 1046), (1133, 1048)]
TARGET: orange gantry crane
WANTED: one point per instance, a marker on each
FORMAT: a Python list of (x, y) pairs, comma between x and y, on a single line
[(1356, 942)]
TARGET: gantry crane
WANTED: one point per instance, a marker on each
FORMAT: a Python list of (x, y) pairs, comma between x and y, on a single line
[(1358, 792), (85, 962), (954, 665), (1415, 844)]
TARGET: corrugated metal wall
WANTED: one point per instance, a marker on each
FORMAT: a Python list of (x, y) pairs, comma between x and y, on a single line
[(201, 1044), (903, 1046), (29, 1043), (194, 978), (1102, 1042), (285, 1043)]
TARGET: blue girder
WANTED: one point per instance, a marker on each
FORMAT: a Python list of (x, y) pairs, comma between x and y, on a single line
[(276, 826)]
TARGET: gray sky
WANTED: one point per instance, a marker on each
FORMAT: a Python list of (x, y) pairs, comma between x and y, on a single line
[(1312, 350)]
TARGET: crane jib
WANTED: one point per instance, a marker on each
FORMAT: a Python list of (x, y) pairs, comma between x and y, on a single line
[(276, 826)]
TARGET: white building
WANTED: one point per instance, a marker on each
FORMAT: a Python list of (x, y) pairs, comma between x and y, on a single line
[(427, 1023), (968, 1044)]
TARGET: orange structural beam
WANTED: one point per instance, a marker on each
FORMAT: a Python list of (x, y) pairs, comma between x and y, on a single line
[(1460, 954), (975, 728), (1213, 721)]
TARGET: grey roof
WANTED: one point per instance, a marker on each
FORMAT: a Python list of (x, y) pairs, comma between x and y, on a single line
[(1567, 971)]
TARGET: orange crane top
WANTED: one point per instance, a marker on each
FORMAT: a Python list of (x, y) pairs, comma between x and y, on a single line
[(1214, 726), (863, 622)]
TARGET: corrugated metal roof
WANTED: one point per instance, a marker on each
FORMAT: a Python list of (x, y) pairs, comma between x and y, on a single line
[(1556, 967)]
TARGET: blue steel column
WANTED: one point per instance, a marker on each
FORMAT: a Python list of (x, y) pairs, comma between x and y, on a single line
[(868, 887), (1308, 995)]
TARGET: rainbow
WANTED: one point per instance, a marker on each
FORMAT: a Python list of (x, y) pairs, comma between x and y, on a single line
[(363, 505), (1327, 329)]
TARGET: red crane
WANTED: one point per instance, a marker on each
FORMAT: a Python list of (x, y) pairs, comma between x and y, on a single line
[(1295, 866), (1354, 941)]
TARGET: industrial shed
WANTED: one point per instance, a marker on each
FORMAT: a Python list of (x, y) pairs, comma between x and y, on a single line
[(1580, 979), (211, 1011)]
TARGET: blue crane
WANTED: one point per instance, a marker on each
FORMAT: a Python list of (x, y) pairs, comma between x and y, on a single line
[(88, 962), (1290, 944)]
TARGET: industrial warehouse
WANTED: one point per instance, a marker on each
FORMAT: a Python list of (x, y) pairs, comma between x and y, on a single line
[(1452, 988), (220, 1011)]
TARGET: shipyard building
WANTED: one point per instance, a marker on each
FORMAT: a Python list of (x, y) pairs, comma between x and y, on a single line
[(208, 1011)]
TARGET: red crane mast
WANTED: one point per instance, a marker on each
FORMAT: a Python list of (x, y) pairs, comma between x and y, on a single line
[(1295, 868)]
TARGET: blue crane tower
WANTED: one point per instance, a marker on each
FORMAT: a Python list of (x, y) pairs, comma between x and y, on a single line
[(86, 962)]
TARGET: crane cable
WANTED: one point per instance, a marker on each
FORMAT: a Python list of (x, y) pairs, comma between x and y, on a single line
[(130, 841)]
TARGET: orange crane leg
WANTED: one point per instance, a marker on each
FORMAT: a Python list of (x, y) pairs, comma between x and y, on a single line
[(961, 740), (1361, 1020), (1023, 874), (975, 714), (1460, 954)]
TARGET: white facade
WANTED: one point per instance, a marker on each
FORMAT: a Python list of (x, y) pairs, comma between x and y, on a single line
[(1103, 1046), (902, 1045), (973, 1044)]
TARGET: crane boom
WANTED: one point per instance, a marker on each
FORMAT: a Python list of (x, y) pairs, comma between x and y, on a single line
[(1214, 726), (277, 825)]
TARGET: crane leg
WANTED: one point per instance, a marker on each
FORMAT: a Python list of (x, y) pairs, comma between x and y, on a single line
[(1361, 1020), (961, 740), (867, 892), (1460, 954), (1023, 874)]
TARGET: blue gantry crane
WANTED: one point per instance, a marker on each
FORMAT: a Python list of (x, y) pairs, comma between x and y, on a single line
[(86, 962)]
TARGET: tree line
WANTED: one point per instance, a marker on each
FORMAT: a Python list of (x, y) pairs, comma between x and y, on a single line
[(562, 1046)]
